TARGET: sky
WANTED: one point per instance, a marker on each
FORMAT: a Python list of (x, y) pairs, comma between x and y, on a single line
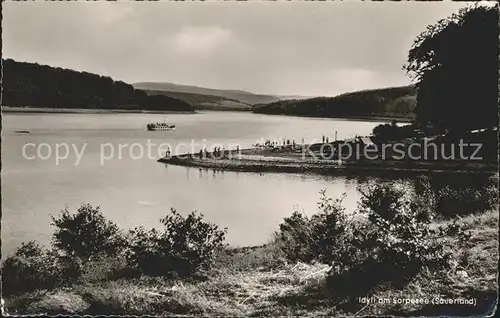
[(293, 48)]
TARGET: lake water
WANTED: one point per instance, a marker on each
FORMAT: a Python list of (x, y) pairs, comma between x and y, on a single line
[(135, 190)]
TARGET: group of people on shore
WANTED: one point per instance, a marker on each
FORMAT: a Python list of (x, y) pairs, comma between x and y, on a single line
[(283, 143), (217, 153), (203, 153), (279, 144), (289, 143)]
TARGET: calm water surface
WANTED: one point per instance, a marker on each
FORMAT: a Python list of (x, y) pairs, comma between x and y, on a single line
[(135, 191)]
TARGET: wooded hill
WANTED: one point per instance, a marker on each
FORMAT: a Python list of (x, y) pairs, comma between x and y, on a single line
[(207, 102), (31, 84), (228, 94), (396, 102)]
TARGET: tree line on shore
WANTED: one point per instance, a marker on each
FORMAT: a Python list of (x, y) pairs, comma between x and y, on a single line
[(35, 85), (396, 102)]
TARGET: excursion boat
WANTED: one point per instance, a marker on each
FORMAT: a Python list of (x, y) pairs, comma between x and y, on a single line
[(160, 126)]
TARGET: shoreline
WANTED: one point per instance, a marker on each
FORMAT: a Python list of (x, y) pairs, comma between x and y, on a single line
[(49, 110), (330, 168), (353, 118)]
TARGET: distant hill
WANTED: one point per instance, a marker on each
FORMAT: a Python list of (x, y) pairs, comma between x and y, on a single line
[(208, 102), (395, 102), (31, 84), (235, 95), (287, 97)]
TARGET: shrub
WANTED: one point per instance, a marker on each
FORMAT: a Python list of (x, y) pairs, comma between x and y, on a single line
[(394, 241), (105, 268), (85, 234), (387, 199), (449, 196), (401, 232), (295, 238), (423, 198), (466, 200), (321, 237), (184, 246), (330, 229), (30, 268)]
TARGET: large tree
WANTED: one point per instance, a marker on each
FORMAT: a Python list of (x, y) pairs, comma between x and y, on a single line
[(455, 65)]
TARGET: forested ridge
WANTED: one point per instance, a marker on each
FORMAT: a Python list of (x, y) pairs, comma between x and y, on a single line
[(35, 85), (201, 101), (386, 102), (230, 94)]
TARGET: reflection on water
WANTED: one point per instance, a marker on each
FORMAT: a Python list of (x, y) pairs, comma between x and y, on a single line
[(138, 192)]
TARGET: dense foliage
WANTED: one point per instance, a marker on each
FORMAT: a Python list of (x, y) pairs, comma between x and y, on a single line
[(393, 240), (396, 233), (184, 246), (455, 63), (321, 237), (31, 267), (390, 238), (86, 233), (31, 84), (388, 132), (387, 102), (453, 196), (88, 247)]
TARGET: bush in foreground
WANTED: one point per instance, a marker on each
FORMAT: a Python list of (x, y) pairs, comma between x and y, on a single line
[(253, 281), (184, 246), (31, 267), (321, 237), (390, 239), (466, 201), (451, 196), (86, 234), (393, 240), (88, 248)]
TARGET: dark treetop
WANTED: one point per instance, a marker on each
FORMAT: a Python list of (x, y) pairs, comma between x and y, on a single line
[(455, 62)]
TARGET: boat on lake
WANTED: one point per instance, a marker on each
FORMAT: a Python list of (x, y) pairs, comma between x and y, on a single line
[(160, 126)]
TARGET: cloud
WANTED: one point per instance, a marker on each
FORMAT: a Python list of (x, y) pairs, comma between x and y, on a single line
[(201, 40), (280, 48), (330, 81), (108, 13)]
